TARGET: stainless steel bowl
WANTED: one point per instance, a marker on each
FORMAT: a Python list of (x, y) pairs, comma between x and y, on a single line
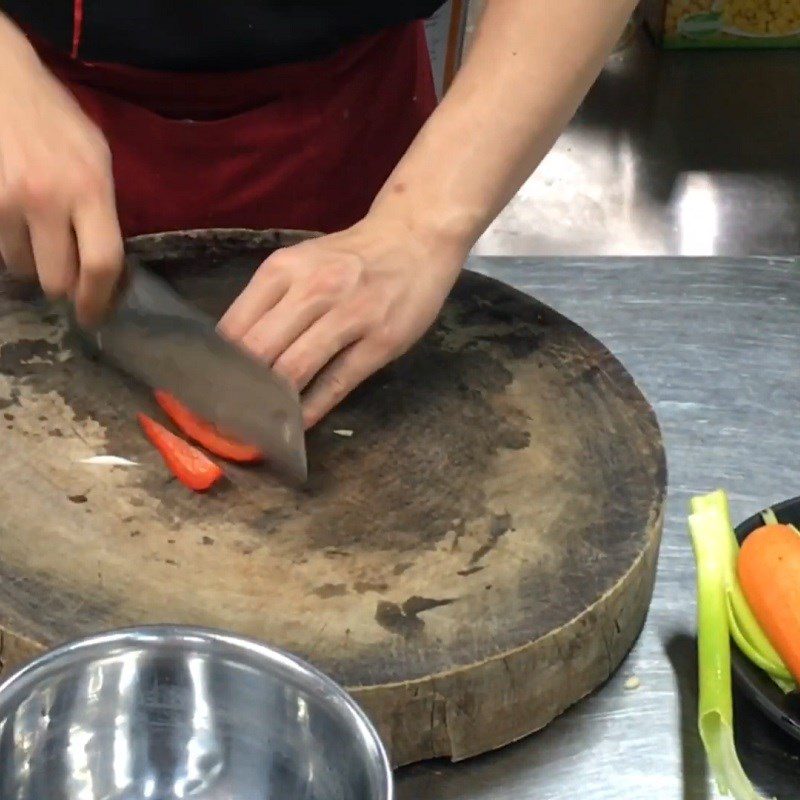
[(165, 712)]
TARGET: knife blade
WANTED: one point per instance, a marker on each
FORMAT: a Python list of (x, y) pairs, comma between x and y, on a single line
[(158, 338)]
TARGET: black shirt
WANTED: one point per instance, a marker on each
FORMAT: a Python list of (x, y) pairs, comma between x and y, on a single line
[(211, 35)]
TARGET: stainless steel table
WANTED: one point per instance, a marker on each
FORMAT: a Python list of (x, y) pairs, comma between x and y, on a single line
[(715, 345), (672, 153)]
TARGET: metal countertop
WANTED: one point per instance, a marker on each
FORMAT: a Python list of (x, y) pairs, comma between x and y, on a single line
[(715, 345), (672, 153)]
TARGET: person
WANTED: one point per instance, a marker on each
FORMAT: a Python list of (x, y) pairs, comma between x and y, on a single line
[(137, 116)]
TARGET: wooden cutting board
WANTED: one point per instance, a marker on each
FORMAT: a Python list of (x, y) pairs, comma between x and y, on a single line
[(476, 557)]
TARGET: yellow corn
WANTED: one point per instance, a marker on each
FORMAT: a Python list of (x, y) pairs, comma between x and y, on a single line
[(773, 17)]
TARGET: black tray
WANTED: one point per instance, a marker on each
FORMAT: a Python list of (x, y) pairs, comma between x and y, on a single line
[(781, 708)]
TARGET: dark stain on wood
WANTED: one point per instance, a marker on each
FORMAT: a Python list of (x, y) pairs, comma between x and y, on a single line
[(362, 587), (78, 498), (500, 524), (328, 590), (404, 620), (35, 355), (27, 594), (11, 400)]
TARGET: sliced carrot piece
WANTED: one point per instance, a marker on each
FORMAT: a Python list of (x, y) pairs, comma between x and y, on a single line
[(769, 573), (192, 467), (204, 433)]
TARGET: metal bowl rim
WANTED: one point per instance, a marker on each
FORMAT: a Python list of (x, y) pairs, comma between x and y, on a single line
[(50, 663)]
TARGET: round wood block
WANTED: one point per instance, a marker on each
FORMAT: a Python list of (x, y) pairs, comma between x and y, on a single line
[(477, 555)]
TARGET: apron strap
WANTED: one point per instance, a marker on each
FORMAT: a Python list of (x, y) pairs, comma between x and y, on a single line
[(77, 27)]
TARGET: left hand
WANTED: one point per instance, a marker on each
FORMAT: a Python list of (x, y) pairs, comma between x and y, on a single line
[(329, 312)]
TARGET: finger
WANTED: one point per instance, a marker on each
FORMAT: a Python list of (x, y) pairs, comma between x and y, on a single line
[(55, 253), (15, 248), (266, 288), (325, 339), (339, 378), (294, 314), (101, 254)]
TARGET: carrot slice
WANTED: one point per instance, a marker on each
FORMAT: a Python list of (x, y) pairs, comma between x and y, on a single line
[(769, 573), (204, 433), (192, 467)]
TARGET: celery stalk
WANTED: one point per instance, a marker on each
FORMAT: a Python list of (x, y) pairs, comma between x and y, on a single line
[(743, 624), (746, 622), (775, 671), (746, 646), (768, 517), (787, 687), (715, 714), (714, 500)]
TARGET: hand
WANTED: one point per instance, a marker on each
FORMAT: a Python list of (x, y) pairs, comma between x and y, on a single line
[(58, 220), (329, 312)]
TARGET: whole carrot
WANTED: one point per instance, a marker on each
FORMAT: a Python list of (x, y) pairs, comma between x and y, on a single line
[(769, 573), (192, 467)]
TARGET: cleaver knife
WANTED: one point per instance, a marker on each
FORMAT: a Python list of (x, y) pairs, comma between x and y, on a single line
[(158, 338)]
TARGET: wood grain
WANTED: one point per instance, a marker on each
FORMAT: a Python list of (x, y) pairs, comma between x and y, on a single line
[(475, 558)]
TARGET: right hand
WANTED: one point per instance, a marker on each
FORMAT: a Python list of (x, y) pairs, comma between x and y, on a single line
[(58, 219)]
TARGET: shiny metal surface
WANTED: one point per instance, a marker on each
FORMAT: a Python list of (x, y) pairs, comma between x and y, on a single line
[(715, 345), (161, 340), (169, 713), (672, 153)]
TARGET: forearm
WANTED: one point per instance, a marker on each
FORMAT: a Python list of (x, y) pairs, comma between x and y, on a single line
[(19, 64), (527, 71), (16, 53)]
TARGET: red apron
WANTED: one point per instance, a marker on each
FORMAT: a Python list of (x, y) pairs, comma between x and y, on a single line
[(304, 146)]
